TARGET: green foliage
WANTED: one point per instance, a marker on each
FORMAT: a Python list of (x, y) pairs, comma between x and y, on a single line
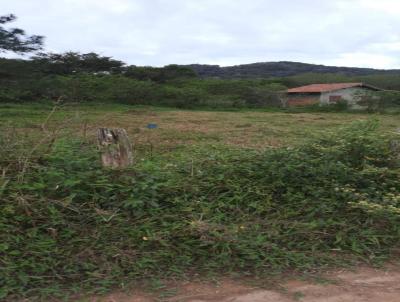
[(159, 75), (387, 100), (20, 82), (15, 39), (91, 77), (234, 93), (74, 63), (66, 223), (97, 88)]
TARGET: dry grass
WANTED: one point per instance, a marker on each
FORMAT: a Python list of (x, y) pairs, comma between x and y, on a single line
[(179, 128)]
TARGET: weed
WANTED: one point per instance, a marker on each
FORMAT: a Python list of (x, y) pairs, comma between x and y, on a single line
[(68, 224)]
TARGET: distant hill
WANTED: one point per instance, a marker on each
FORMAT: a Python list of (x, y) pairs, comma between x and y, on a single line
[(280, 69)]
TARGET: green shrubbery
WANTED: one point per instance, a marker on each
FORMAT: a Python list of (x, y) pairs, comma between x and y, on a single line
[(68, 224), (84, 88), (92, 78), (180, 93)]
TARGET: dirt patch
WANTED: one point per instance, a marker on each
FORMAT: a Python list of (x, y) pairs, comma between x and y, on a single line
[(362, 285)]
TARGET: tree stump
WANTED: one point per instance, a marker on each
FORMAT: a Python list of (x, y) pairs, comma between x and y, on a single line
[(115, 148)]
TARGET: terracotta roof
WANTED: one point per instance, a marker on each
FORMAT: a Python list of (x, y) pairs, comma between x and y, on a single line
[(316, 88)]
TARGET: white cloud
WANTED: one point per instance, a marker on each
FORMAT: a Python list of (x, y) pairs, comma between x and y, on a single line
[(364, 60), (391, 7), (159, 32)]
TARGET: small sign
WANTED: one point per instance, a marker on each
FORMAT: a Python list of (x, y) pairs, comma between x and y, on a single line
[(152, 126)]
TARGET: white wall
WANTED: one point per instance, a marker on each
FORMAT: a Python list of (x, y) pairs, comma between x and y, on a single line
[(351, 95)]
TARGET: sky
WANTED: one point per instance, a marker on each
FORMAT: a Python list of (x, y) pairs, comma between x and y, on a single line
[(360, 33)]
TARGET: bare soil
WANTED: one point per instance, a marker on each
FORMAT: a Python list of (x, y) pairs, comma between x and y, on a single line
[(362, 285)]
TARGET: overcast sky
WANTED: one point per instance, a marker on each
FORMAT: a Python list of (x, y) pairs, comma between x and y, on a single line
[(364, 33)]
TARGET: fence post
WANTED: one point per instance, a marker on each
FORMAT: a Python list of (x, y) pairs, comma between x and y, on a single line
[(115, 148)]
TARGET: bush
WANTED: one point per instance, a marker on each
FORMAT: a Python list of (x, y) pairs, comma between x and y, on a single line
[(180, 93), (97, 88), (67, 224)]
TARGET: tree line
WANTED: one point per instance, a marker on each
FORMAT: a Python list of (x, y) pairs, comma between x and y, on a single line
[(90, 77)]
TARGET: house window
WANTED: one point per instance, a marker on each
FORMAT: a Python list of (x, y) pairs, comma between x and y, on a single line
[(335, 98)]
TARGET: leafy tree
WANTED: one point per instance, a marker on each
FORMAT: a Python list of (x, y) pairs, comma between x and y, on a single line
[(160, 75), (15, 39), (173, 71), (145, 73), (75, 62), (16, 69)]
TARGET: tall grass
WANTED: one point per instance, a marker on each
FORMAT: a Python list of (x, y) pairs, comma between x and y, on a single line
[(66, 224)]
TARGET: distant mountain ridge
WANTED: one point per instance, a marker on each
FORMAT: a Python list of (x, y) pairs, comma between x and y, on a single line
[(280, 69)]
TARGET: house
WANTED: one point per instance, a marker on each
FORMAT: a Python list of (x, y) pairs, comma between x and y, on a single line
[(355, 94)]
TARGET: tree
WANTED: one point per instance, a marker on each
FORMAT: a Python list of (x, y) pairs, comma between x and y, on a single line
[(160, 74), (74, 62), (15, 39)]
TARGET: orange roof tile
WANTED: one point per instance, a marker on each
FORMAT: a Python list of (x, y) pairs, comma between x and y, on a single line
[(316, 88)]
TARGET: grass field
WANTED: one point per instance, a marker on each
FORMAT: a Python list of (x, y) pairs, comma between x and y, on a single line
[(211, 192), (179, 129)]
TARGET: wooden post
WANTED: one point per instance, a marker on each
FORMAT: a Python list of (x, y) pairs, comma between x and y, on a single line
[(115, 148)]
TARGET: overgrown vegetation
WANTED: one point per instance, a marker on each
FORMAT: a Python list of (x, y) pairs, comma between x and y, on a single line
[(192, 204), (90, 77), (66, 224)]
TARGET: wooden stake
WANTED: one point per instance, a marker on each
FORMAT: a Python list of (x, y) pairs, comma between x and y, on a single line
[(115, 148)]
